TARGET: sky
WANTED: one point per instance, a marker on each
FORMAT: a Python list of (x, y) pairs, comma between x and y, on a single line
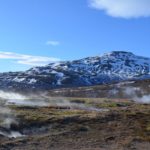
[(37, 32)]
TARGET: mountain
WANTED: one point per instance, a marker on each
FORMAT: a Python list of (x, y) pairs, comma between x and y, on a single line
[(111, 67)]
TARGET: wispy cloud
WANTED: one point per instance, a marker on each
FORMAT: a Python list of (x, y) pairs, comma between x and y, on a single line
[(123, 8), (27, 59), (53, 43)]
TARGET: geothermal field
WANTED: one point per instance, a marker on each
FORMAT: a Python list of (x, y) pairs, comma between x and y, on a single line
[(86, 118)]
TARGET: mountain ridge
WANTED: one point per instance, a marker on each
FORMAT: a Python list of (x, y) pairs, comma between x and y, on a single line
[(111, 67)]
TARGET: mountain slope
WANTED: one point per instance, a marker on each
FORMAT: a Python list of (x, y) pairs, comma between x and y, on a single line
[(111, 67)]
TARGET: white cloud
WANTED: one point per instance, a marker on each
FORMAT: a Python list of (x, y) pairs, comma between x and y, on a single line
[(123, 8), (53, 43), (27, 59)]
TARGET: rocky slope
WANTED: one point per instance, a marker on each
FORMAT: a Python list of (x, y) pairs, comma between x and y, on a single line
[(111, 67)]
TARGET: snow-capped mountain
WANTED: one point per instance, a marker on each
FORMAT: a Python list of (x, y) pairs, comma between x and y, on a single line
[(110, 67)]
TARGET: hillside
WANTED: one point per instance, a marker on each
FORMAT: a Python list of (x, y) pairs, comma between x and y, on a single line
[(125, 89)]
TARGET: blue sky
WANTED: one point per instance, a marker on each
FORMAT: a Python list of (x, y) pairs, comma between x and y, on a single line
[(70, 29)]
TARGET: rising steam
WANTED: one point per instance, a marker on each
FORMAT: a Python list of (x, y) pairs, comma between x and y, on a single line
[(137, 94), (7, 117)]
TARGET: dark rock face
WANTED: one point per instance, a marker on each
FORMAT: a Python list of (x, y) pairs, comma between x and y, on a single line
[(111, 67)]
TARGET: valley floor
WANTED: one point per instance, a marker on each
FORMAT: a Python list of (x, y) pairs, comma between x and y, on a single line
[(104, 124)]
